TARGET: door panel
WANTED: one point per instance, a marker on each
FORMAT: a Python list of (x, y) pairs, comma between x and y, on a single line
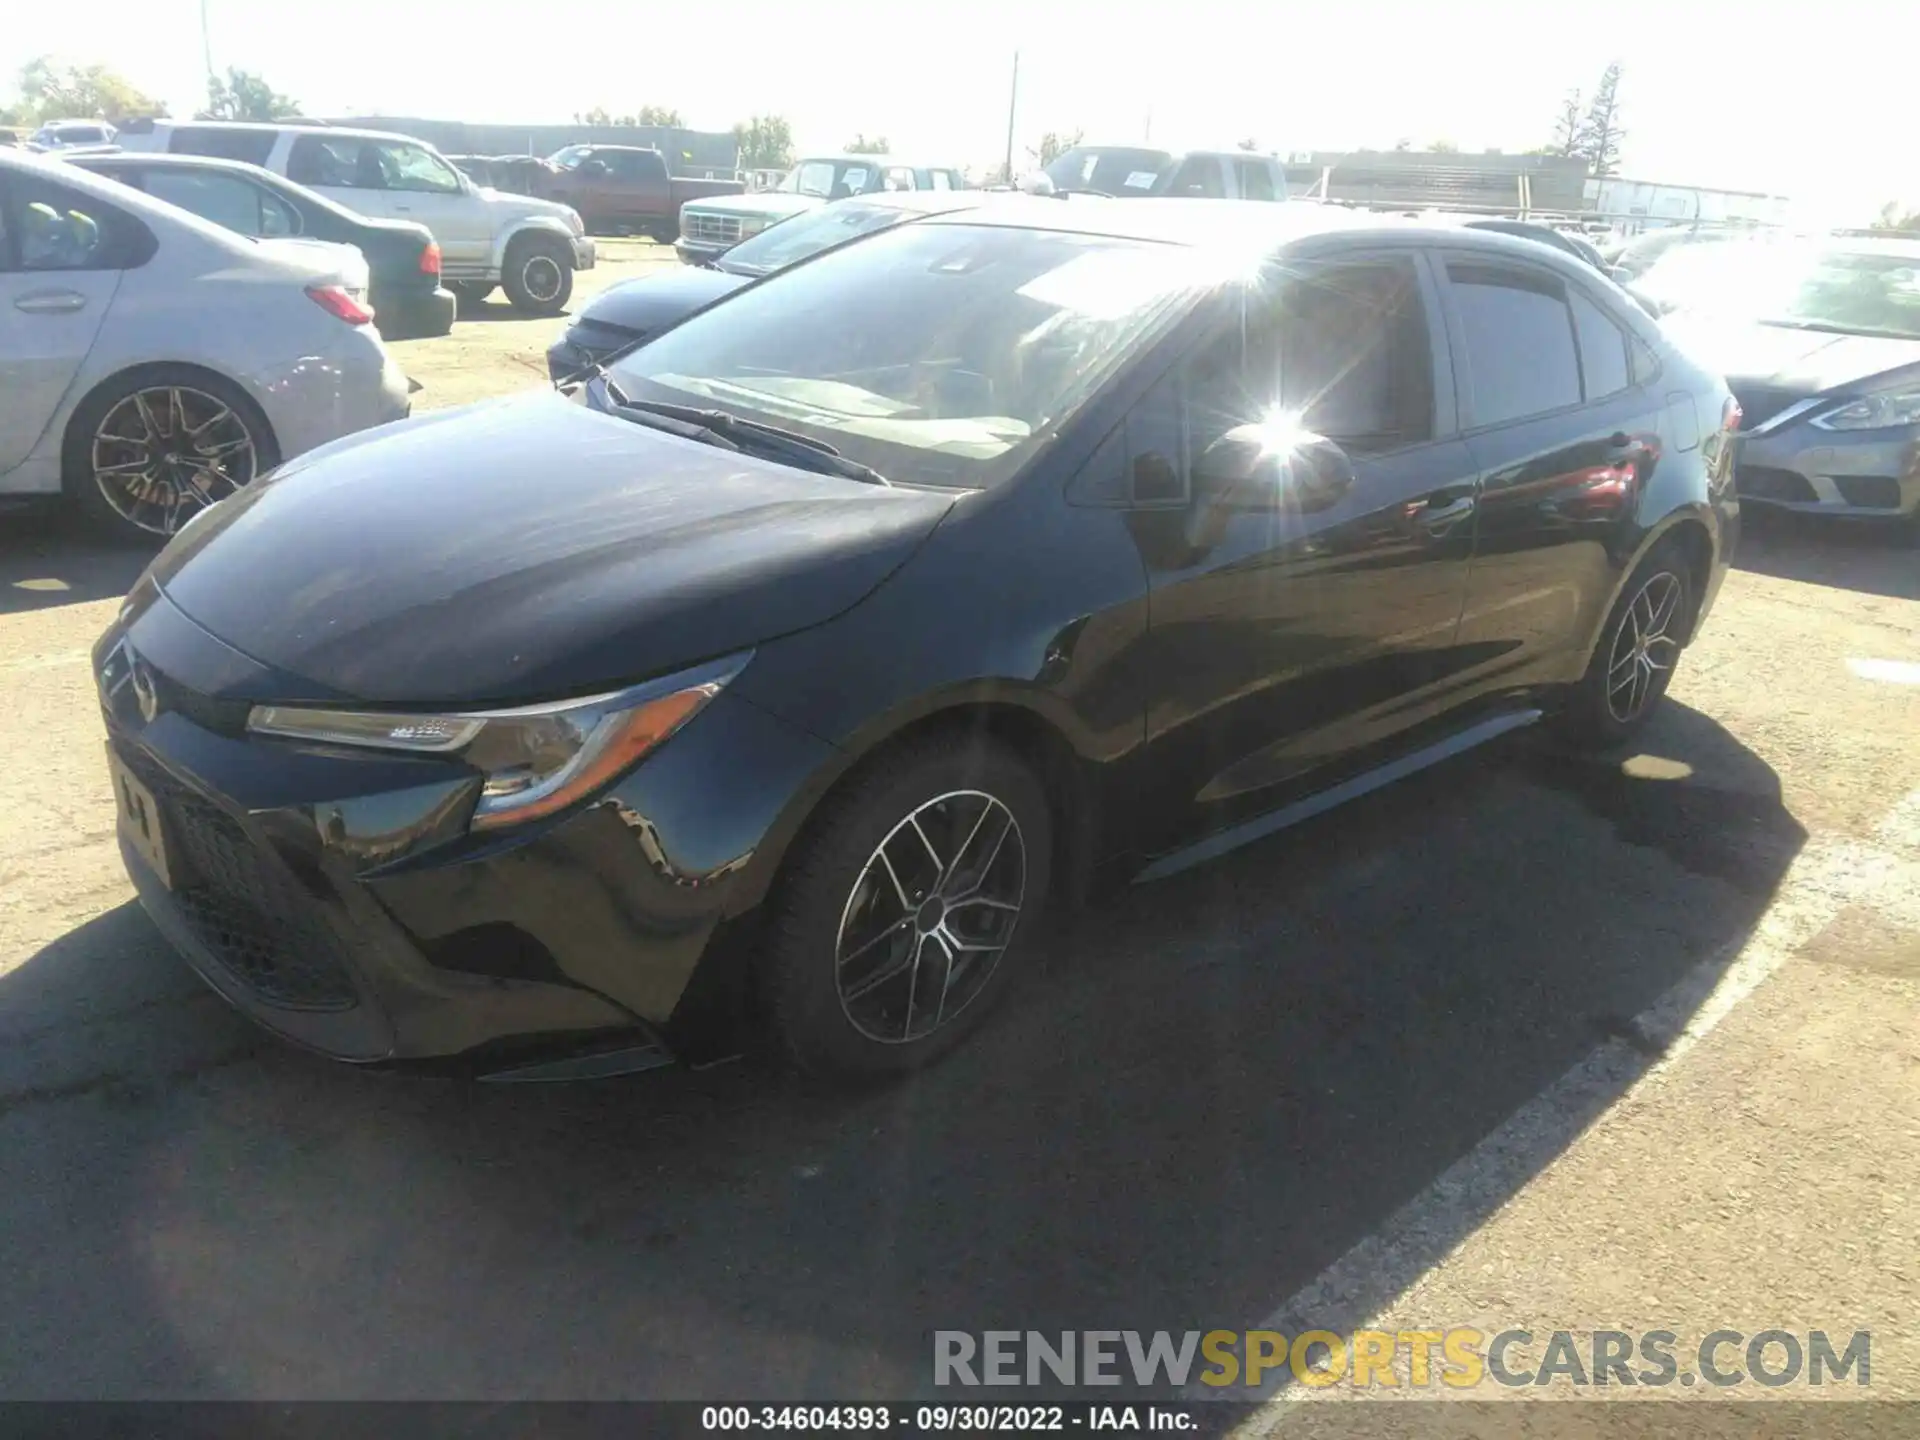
[(1303, 634), (1555, 488), (58, 273)]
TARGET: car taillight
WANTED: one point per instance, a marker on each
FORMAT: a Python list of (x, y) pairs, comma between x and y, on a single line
[(430, 258), (339, 304)]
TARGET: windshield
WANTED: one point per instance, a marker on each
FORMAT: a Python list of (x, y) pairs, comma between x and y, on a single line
[(833, 179), (792, 241), (937, 354), (569, 157), (1856, 290), (1115, 172)]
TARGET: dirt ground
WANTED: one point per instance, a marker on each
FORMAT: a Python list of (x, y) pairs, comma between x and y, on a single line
[(1524, 1042), (494, 350)]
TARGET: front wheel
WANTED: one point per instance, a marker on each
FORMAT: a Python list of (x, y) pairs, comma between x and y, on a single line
[(538, 275), (1634, 661), (908, 908)]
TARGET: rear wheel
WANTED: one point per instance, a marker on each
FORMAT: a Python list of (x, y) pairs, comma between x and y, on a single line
[(538, 274), (471, 292), (1634, 661), (906, 913), (152, 448)]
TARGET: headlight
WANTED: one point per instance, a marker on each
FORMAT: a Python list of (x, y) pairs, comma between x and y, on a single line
[(537, 759), (1874, 412)]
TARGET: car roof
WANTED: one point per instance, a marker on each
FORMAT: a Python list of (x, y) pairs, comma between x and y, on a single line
[(162, 160), (276, 126), (1257, 227), (892, 162)]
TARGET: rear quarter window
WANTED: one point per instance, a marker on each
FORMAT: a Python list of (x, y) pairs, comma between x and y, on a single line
[(1519, 337)]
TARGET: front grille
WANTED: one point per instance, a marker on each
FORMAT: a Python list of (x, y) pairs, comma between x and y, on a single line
[(1764, 482), (1873, 492), (1760, 403), (243, 904), (710, 229)]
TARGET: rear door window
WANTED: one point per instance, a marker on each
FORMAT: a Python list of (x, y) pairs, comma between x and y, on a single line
[(1519, 339), (1256, 181), (55, 228), (1198, 178), (252, 146), (1603, 350)]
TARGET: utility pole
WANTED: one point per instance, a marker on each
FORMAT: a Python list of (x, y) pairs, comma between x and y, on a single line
[(1013, 103), (206, 44), (1146, 135)]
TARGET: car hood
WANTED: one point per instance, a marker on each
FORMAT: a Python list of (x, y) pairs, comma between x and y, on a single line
[(527, 550), (652, 302), (505, 202), (776, 203), (1782, 358)]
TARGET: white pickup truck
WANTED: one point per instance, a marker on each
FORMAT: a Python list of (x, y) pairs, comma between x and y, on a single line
[(531, 247)]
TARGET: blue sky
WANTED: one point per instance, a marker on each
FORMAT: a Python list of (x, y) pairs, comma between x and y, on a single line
[(1713, 94)]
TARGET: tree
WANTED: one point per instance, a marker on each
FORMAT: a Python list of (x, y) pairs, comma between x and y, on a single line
[(1443, 147), (765, 142), (1600, 134), (861, 145), (1895, 216), (664, 116), (1400, 147), (245, 96), (1567, 128), (49, 91), (596, 116), (1053, 145), (1249, 144)]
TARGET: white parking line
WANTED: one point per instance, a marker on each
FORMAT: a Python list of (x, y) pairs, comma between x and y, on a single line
[(1894, 672), (1367, 1281)]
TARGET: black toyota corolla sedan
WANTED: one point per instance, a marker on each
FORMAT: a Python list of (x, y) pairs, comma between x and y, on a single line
[(794, 668)]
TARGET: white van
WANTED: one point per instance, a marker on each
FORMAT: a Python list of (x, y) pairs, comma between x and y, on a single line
[(531, 247)]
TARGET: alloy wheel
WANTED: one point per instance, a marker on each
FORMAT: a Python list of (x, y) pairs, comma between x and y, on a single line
[(541, 277), (933, 910), (162, 455), (1644, 646)]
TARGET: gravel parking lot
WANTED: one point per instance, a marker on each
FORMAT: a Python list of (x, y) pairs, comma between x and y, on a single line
[(1526, 1041)]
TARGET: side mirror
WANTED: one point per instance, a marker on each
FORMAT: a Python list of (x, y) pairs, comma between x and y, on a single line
[(1245, 469)]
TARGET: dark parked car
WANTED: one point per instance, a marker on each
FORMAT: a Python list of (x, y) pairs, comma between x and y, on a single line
[(477, 168), (634, 309), (403, 262), (625, 187), (1577, 246), (1820, 340), (851, 621)]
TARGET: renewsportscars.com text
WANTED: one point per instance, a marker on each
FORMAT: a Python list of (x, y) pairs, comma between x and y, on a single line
[(1457, 1358)]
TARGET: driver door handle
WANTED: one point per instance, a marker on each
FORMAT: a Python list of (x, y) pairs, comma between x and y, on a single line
[(51, 302)]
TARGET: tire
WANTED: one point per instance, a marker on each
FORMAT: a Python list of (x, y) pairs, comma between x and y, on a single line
[(538, 275), (155, 445), (855, 948), (1646, 627), (471, 292)]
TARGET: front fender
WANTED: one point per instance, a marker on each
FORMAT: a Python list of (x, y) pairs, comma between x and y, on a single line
[(528, 225)]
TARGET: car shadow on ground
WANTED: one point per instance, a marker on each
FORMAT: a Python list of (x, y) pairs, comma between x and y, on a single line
[(496, 309), (1871, 557), (1204, 1092), (48, 558)]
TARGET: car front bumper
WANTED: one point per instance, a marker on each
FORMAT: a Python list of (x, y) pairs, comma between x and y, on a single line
[(414, 313), (336, 897), (583, 252), (1863, 475), (584, 344)]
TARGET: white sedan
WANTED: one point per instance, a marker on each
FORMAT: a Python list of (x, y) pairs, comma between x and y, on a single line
[(152, 363)]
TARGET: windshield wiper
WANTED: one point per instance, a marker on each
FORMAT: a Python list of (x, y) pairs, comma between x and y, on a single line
[(723, 427)]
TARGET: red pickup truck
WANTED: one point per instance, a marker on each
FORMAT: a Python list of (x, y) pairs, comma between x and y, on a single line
[(623, 187)]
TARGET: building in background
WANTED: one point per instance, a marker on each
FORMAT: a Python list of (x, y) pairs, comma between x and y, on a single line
[(704, 153), (1636, 205), (1421, 180)]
